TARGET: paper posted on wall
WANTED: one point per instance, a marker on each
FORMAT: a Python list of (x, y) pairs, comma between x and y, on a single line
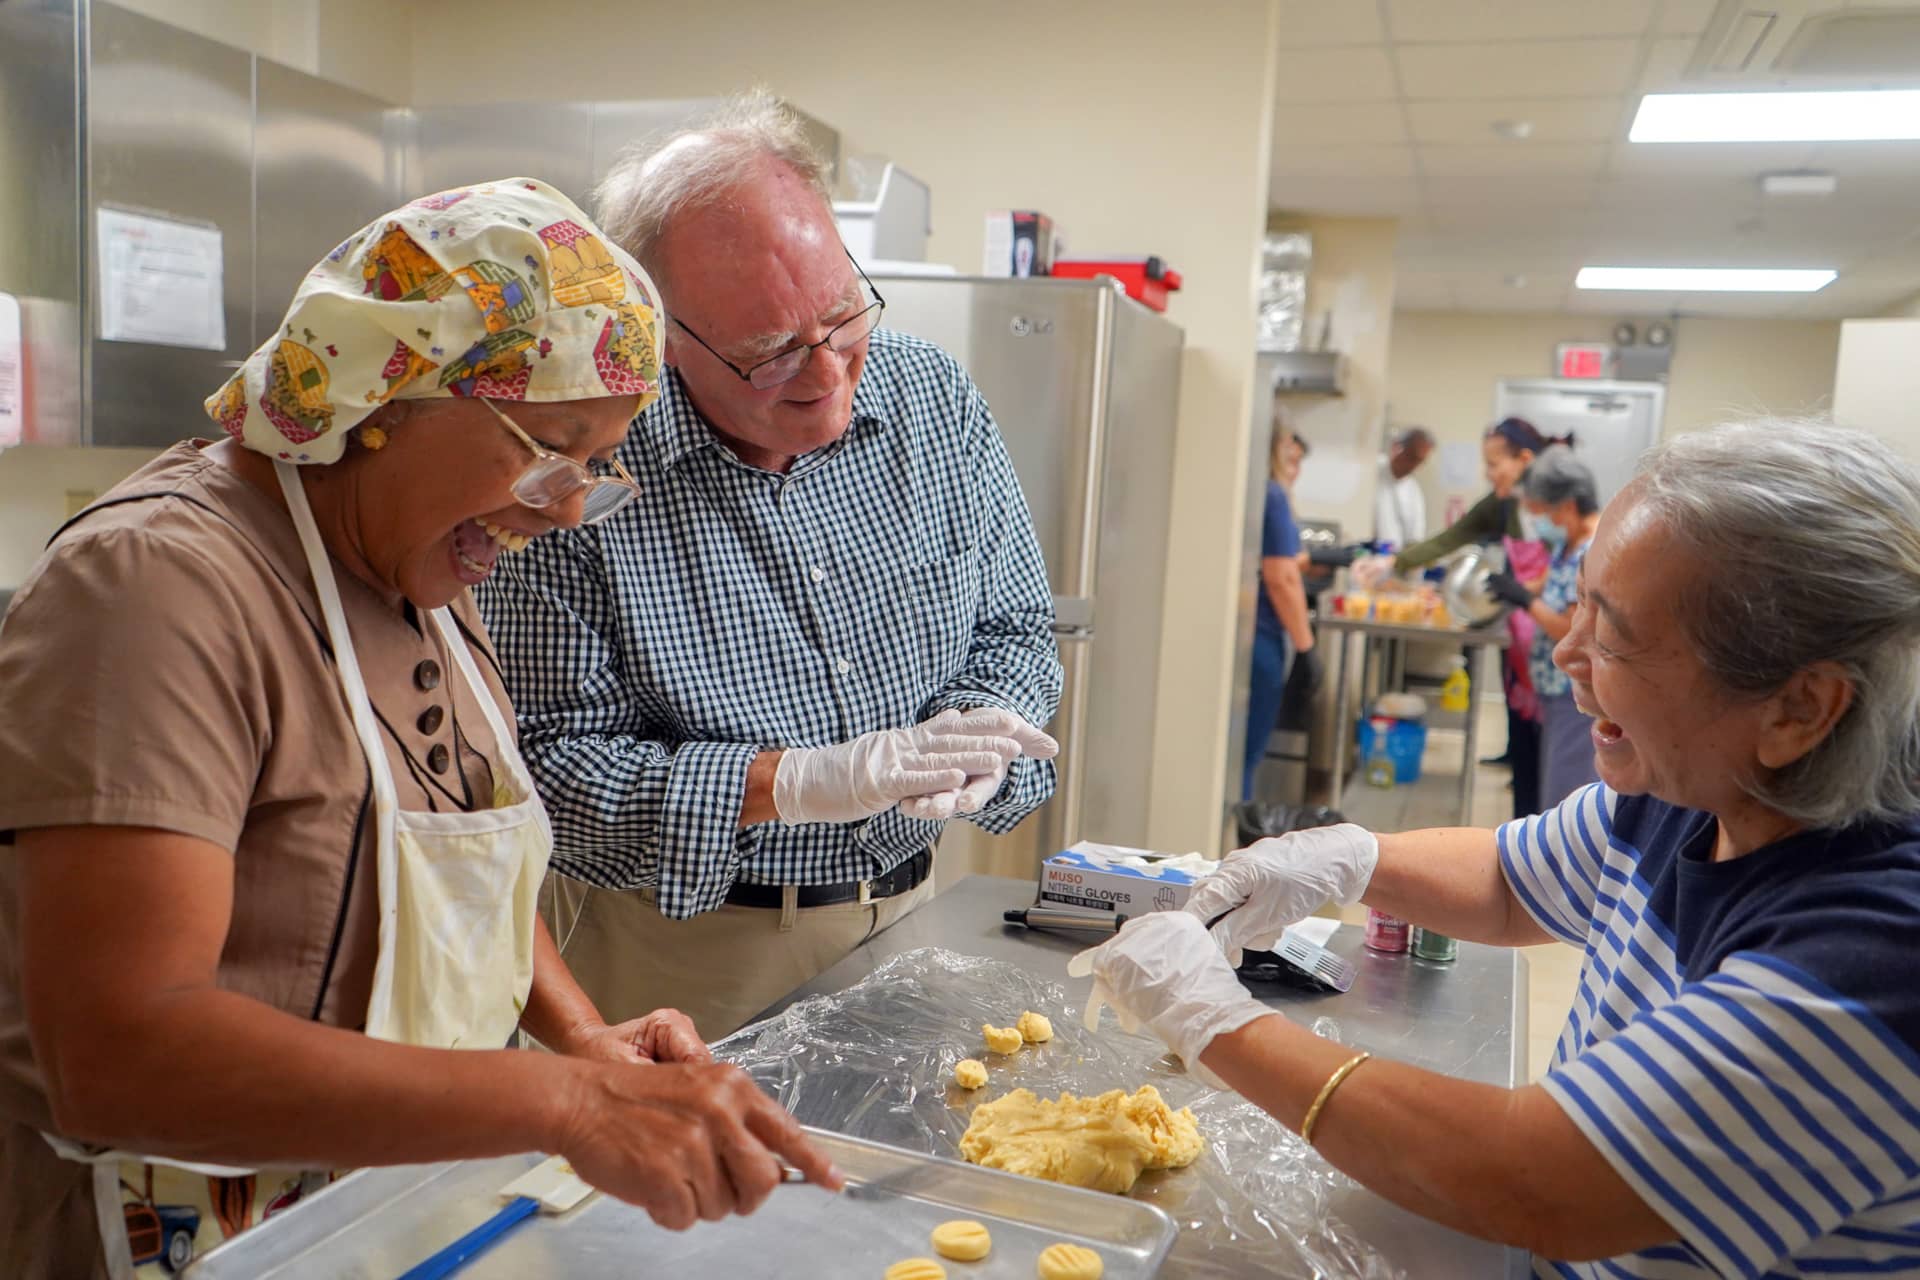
[(161, 281)]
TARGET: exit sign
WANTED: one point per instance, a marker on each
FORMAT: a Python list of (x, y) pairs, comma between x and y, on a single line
[(1581, 359)]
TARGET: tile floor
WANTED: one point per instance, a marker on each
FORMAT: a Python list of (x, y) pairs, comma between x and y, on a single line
[(1554, 969)]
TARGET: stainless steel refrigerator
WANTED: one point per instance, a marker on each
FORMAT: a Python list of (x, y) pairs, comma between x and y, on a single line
[(1085, 384)]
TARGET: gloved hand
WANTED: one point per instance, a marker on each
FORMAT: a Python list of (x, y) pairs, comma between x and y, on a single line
[(852, 780), (1335, 557), (979, 788), (1504, 586), (1371, 570), (1163, 970), (1296, 696), (1261, 889)]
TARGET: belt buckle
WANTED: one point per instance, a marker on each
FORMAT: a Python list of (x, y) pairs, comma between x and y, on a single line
[(866, 893)]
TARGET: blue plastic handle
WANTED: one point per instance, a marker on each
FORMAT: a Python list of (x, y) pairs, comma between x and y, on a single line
[(475, 1242)]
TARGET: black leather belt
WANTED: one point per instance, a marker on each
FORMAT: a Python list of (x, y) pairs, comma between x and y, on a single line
[(903, 878)]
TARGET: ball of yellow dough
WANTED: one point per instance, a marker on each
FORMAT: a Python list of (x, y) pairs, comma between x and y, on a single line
[(963, 1240), (916, 1269), (1034, 1028), (969, 1073), (1002, 1039), (1069, 1262)]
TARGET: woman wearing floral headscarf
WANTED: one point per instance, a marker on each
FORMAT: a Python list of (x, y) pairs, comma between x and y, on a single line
[(273, 850)]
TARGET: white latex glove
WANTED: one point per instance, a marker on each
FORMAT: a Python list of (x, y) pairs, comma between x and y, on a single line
[(1272, 883), (1370, 570), (979, 788), (874, 772), (1165, 971)]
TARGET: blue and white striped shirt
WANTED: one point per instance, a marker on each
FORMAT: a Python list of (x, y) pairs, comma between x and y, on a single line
[(1744, 1047), (884, 578)]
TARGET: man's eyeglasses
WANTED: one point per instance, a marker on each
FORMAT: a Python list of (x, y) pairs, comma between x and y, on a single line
[(786, 366), (552, 477)]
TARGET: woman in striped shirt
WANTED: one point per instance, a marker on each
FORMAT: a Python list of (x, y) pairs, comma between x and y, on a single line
[(1737, 1088)]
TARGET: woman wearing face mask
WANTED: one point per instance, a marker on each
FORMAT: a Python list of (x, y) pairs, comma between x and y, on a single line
[(1560, 508), (1506, 450)]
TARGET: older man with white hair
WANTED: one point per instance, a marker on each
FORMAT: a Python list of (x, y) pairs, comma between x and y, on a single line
[(745, 697)]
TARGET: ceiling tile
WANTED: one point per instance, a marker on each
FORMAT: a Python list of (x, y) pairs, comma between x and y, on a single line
[(1520, 69), (1684, 17), (1342, 122), (1900, 159), (1694, 159), (1529, 189), (1352, 197), (1356, 74), (1343, 162), (1485, 20), (1500, 158), (1553, 119), (1666, 66), (1307, 23)]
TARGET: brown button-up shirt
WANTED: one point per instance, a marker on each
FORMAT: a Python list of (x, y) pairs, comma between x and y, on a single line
[(166, 665)]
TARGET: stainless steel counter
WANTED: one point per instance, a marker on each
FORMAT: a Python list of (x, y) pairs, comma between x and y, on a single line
[(1467, 1019)]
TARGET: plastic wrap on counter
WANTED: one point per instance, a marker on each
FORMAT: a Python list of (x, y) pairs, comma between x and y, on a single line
[(876, 1061)]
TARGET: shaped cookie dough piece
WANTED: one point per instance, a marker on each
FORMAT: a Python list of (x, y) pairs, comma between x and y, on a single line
[(963, 1240), (1034, 1028), (918, 1269), (1002, 1039), (1102, 1142), (1069, 1262), (970, 1073)]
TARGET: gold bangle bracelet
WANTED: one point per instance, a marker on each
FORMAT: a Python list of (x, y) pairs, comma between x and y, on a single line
[(1334, 1081)]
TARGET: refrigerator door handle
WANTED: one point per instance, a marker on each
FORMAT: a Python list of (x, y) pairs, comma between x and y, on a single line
[(1072, 613), (1065, 829)]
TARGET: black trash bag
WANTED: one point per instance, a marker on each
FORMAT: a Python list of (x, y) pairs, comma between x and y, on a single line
[(1258, 819)]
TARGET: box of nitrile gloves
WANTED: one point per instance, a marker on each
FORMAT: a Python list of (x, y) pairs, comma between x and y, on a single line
[(1105, 879)]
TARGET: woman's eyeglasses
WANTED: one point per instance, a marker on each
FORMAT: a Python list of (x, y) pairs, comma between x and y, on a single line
[(552, 477)]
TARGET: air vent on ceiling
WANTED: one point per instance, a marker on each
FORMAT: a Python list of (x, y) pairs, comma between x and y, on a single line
[(1808, 43)]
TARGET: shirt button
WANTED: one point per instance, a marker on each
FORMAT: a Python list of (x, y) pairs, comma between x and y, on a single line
[(439, 758), (816, 573), (429, 721), (427, 675), (842, 666)]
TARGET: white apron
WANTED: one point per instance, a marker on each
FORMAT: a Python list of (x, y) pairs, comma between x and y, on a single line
[(458, 895)]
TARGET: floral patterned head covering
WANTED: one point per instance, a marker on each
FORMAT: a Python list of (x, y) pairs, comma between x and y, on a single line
[(503, 289)]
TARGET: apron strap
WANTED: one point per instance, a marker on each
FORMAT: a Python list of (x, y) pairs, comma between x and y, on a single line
[(347, 664)]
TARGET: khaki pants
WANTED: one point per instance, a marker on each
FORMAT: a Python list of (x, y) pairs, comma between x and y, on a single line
[(720, 968)]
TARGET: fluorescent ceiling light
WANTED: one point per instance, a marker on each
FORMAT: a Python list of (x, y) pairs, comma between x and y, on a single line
[(1705, 279), (1862, 115)]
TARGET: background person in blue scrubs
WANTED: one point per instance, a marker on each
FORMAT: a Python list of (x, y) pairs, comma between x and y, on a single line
[(1282, 620)]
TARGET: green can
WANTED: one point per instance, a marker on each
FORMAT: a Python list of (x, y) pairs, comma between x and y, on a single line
[(1429, 945)]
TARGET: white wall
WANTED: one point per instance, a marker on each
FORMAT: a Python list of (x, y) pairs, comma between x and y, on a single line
[(1445, 365), (1141, 127), (1351, 282), (1877, 384)]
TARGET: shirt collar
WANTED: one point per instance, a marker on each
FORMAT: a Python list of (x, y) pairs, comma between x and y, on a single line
[(676, 431)]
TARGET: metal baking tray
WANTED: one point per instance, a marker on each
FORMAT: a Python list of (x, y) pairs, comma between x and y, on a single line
[(376, 1223)]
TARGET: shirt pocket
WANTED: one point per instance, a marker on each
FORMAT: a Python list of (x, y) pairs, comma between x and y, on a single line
[(939, 602)]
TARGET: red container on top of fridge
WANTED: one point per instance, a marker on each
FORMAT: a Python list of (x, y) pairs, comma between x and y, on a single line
[(1147, 280)]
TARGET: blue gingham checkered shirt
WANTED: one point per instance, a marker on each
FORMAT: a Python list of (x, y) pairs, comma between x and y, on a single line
[(886, 577)]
